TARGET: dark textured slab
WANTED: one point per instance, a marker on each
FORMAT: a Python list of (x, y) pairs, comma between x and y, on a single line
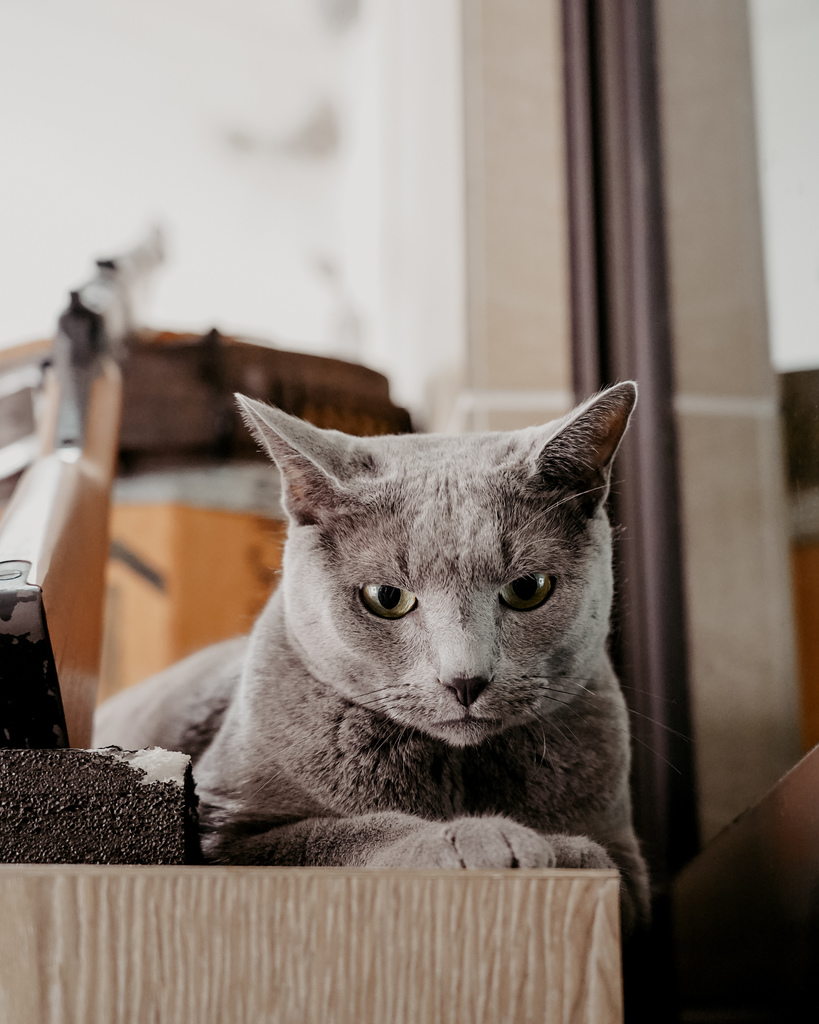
[(97, 807)]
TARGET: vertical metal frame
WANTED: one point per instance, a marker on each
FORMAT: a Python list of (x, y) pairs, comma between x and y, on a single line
[(622, 331)]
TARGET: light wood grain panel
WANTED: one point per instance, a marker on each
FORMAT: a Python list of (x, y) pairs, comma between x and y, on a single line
[(81, 945)]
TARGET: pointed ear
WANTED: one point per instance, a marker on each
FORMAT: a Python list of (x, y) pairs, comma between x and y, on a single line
[(579, 455), (309, 458)]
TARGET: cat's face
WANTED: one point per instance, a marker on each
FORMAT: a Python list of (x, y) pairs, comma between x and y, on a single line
[(455, 585)]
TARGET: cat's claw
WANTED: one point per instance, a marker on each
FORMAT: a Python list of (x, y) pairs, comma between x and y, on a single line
[(490, 842)]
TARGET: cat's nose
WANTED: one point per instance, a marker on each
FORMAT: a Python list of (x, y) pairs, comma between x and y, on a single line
[(467, 690)]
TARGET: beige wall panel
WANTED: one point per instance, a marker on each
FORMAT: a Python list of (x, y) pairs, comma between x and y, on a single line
[(736, 577), (731, 472), (712, 200), (492, 409), (517, 234), (515, 419), (92, 945)]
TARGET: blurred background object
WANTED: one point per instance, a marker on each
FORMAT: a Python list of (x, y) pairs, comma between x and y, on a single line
[(54, 529)]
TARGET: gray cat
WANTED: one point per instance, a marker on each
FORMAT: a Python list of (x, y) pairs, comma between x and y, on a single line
[(429, 685)]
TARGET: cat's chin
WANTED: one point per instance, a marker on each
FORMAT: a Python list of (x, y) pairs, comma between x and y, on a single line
[(465, 732)]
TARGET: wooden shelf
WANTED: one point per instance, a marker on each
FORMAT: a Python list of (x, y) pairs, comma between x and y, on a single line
[(110, 945)]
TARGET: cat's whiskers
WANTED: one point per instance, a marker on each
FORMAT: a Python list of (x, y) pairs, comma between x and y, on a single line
[(572, 739), (642, 743), (266, 783), (595, 695), (381, 694), (373, 701), (381, 689), (390, 735), (545, 755), (543, 513), (271, 759), (404, 732), (630, 710), (551, 690), (625, 730), (647, 718), (376, 704), (544, 751), (578, 742), (622, 686)]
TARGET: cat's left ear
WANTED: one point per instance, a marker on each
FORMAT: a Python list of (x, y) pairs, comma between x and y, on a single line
[(579, 455), (312, 461)]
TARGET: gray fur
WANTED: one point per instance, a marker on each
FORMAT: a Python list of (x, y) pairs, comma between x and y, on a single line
[(343, 742)]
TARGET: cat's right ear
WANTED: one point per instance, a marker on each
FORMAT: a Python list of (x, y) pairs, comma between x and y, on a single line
[(579, 455), (309, 459)]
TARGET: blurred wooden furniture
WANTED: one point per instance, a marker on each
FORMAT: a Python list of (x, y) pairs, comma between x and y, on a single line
[(54, 530), (96, 945), (53, 552), (746, 911), (178, 396), (800, 394)]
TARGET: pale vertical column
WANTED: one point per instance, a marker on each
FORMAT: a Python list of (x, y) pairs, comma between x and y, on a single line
[(732, 478), (518, 357), (421, 326)]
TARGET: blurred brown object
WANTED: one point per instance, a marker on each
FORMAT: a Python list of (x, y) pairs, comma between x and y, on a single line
[(196, 526), (800, 403), (178, 400), (180, 578), (746, 912), (805, 565)]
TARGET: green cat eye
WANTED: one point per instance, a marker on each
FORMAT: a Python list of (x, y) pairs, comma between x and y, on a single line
[(527, 591), (388, 602)]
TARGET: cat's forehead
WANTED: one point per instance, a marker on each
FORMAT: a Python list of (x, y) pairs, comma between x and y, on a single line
[(470, 482), (450, 454), (453, 508)]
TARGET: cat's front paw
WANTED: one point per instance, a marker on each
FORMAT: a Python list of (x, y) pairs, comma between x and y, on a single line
[(469, 843), (579, 852)]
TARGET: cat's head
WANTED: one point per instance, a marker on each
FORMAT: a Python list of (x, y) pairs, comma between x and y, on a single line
[(457, 585)]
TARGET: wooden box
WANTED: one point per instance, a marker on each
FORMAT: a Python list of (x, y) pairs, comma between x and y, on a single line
[(216, 945)]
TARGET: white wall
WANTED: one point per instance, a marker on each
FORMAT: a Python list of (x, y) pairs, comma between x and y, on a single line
[(422, 251), (306, 167), (785, 40)]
